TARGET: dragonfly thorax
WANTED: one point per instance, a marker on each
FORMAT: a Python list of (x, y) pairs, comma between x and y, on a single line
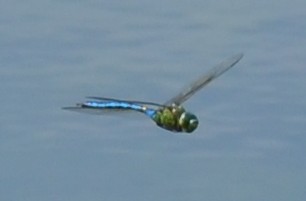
[(175, 118)]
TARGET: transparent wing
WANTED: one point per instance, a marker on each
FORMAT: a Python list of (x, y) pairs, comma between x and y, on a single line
[(204, 80)]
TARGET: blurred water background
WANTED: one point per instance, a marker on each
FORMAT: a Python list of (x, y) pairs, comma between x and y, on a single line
[(251, 141)]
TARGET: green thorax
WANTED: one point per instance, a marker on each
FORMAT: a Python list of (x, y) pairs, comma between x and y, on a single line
[(175, 118)]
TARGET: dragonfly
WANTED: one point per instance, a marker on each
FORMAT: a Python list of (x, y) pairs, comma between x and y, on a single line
[(170, 115)]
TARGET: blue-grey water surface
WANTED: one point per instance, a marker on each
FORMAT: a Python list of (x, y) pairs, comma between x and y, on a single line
[(251, 141)]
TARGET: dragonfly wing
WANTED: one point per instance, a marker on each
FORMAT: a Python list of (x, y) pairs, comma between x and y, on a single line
[(204, 80)]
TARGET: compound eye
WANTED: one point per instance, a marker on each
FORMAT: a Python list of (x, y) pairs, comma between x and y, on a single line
[(189, 122), (193, 124)]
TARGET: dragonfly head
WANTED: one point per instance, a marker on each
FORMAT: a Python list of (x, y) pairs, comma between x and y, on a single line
[(188, 122)]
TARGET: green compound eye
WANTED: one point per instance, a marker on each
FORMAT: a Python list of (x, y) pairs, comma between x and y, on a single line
[(189, 122)]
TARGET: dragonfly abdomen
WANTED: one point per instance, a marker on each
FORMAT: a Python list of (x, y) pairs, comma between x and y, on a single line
[(121, 106), (113, 105)]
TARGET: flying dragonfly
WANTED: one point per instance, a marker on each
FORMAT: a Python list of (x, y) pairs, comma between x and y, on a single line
[(171, 115)]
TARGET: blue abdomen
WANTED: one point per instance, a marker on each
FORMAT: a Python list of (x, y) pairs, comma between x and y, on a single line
[(112, 105)]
